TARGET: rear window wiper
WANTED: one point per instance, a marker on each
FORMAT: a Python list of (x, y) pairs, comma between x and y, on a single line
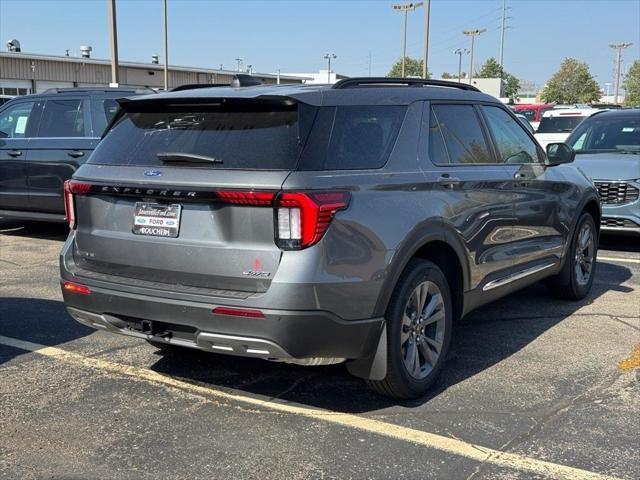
[(169, 157)]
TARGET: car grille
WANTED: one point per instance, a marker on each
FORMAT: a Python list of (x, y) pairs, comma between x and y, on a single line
[(618, 223), (617, 193)]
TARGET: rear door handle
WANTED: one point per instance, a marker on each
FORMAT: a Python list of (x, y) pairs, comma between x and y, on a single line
[(75, 153), (448, 181), (521, 176), (14, 153)]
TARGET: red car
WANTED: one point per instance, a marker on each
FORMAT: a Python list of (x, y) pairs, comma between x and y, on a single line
[(533, 111)]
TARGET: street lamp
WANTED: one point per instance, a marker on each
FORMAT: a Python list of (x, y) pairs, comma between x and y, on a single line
[(405, 8), (239, 60), (473, 34), (328, 57), (459, 52)]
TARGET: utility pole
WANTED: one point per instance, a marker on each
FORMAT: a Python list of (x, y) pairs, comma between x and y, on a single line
[(618, 47), (504, 19), (427, 13), (459, 52), (328, 57), (405, 8), (473, 34), (239, 60), (114, 44), (166, 48)]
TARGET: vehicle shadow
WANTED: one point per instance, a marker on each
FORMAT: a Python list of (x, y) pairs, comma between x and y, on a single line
[(43, 230), (36, 320), (619, 243), (483, 339)]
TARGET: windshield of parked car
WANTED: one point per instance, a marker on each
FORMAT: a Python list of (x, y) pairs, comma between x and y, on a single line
[(560, 124), (604, 133)]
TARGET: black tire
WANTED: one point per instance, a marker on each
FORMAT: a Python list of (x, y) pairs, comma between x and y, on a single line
[(399, 383), (566, 284)]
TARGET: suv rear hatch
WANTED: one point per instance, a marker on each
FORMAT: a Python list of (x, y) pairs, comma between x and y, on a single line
[(180, 195)]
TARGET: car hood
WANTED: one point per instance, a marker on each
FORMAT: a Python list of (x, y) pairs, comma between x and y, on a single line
[(609, 166)]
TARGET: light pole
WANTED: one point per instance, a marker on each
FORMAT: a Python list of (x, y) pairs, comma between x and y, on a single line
[(405, 8), (608, 85), (459, 52), (328, 57), (166, 49), (427, 13), (239, 60), (618, 47), (114, 43), (473, 34)]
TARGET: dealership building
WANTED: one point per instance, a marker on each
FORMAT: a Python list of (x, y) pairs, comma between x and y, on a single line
[(25, 73)]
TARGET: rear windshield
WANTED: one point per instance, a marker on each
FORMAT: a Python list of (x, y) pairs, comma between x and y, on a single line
[(283, 137), (230, 139), (559, 124)]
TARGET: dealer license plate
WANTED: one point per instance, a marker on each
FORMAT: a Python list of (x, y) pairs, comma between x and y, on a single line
[(156, 220)]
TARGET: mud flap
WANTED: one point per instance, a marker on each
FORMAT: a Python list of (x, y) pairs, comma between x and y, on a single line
[(373, 367)]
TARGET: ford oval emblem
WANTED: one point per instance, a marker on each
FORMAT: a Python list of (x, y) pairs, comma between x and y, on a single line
[(152, 173)]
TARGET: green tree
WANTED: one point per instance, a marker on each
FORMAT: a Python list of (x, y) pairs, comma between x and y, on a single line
[(412, 68), (492, 69), (631, 85), (572, 83), (453, 76)]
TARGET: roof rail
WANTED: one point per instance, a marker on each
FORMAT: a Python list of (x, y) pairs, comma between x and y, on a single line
[(100, 89), (356, 82)]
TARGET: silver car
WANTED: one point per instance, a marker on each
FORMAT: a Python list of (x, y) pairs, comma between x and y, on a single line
[(316, 224), (608, 150)]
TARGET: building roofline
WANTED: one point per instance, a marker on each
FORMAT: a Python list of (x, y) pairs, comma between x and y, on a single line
[(148, 66)]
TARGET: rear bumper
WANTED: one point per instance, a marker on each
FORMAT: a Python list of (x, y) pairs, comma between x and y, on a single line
[(280, 335)]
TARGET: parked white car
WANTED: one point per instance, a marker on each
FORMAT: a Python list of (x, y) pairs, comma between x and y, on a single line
[(557, 124)]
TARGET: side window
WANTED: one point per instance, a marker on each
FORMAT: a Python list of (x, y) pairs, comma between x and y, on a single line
[(110, 107), (437, 149), (462, 133), (512, 142), (15, 119), (62, 118)]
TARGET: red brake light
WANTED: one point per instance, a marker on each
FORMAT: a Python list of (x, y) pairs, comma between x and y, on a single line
[(71, 188), (303, 218), (238, 312), (76, 288), (246, 198)]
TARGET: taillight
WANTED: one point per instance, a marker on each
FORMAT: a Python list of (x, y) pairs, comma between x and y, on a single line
[(76, 288), (71, 188), (302, 218)]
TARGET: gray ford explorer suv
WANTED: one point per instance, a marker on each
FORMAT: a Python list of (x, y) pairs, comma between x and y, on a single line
[(321, 224)]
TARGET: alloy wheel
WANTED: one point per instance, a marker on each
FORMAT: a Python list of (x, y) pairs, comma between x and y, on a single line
[(585, 254), (423, 328)]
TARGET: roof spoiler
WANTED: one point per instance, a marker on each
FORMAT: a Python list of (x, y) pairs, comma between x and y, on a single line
[(239, 80)]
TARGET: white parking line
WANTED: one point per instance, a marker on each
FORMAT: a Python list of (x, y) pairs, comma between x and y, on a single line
[(438, 442), (616, 259)]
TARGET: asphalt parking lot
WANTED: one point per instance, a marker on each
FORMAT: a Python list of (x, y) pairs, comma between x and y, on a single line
[(533, 388)]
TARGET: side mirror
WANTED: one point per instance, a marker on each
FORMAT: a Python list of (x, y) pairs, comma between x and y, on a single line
[(559, 153)]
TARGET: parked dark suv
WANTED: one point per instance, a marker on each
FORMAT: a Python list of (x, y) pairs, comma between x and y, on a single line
[(44, 138), (317, 224)]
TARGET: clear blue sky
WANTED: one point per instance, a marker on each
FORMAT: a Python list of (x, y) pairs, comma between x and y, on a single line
[(294, 35)]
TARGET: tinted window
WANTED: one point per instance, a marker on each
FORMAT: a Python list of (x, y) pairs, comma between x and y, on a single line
[(512, 142), (254, 139), (15, 119), (462, 134), (559, 124), (352, 137), (529, 114), (109, 107), (62, 118), (437, 149), (607, 133)]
